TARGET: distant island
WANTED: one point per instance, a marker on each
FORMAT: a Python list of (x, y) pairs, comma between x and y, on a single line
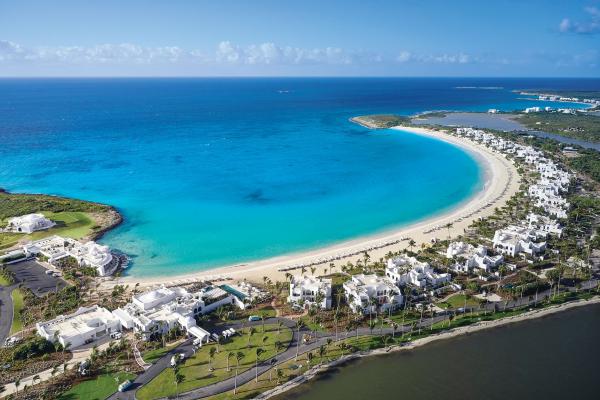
[(380, 121)]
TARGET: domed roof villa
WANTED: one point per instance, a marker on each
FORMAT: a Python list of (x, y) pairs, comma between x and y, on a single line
[(29, 223)]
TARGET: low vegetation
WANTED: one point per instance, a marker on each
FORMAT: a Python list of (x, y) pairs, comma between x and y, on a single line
[(381, 121), (583, 127), (73, 218), (216, 362)]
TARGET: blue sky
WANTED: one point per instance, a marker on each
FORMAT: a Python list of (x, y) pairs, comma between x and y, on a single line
[(300, 38)]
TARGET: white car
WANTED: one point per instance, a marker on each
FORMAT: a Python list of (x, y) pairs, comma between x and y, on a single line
[(116, 335)]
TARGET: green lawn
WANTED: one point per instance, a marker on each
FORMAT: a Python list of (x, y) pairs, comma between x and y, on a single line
[(4, 281), (97, 389), (151, 356), (458, 300), (73, 224), (196, 370), (17, 298)]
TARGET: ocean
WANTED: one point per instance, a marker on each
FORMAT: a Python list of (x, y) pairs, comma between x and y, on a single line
[(212, 172)]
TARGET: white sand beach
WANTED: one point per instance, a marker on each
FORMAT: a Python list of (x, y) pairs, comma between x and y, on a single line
[(501, 182)]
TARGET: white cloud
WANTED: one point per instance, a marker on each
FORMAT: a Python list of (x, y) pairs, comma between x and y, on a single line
[(270, 53), (590, 26), (444, 58)]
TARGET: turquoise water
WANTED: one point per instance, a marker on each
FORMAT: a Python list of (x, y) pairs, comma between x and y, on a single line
[(210, 172)]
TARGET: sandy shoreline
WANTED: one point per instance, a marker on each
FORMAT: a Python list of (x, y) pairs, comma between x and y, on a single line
[(501, 182), (480, 326)]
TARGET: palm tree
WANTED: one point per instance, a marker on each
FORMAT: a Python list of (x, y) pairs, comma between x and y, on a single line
[(312, 270), (299, 325), (278, 346), (35, 378), (411, 244), (229, 355), (17, 384), (321, 352), (211, 356), (179, 378), (251, 332), (259, 351), (239, 356), (279, 374), (449, 225), (279, 325), (219, 340), (394, 328), (262, 318)]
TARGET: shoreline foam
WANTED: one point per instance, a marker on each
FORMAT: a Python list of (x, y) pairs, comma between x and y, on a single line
[(501, 182)]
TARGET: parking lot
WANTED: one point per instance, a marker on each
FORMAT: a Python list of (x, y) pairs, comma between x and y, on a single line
[(33, 276)]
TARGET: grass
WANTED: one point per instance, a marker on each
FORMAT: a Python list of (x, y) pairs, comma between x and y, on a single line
[(73, 224), (4, 281), (458, 301), (97, 389), (151, 356), (196, 370), (18, 302)]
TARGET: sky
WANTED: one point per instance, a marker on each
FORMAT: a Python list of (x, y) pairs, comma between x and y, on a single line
[(300, 38)]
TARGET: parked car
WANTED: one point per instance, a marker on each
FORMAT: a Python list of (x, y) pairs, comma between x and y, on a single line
[(11, 341), (116, 335), (84, 368), (253, 318), (125, 385), (177, 358)]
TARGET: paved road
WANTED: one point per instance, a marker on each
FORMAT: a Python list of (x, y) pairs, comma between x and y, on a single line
[(6, 311)]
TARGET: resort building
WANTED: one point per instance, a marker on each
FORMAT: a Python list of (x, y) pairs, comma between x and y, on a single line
[(89, 254), (367, 293), (84, 326), (156, 312), (545, 224), (246, 293), (515, 240), (472, 258), (29, 223), (406, 270), (309, 290)]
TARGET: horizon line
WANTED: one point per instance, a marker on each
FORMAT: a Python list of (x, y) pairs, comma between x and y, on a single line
[(291, 76)]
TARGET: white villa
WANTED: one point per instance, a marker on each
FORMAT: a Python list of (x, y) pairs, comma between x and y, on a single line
[(157, 311), (545, 224), (474, 257), (515, 240), (306, 289), (89, 254), (29, 223), (84, 326), (367, 293), (406, 270)]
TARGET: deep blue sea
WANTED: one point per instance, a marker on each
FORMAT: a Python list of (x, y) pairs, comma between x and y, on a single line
[(210, 172)]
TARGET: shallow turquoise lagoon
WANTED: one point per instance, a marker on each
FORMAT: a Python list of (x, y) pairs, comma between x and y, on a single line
[(209, 172)]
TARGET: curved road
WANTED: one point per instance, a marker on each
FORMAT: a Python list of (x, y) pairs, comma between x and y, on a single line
[(6, 311)]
